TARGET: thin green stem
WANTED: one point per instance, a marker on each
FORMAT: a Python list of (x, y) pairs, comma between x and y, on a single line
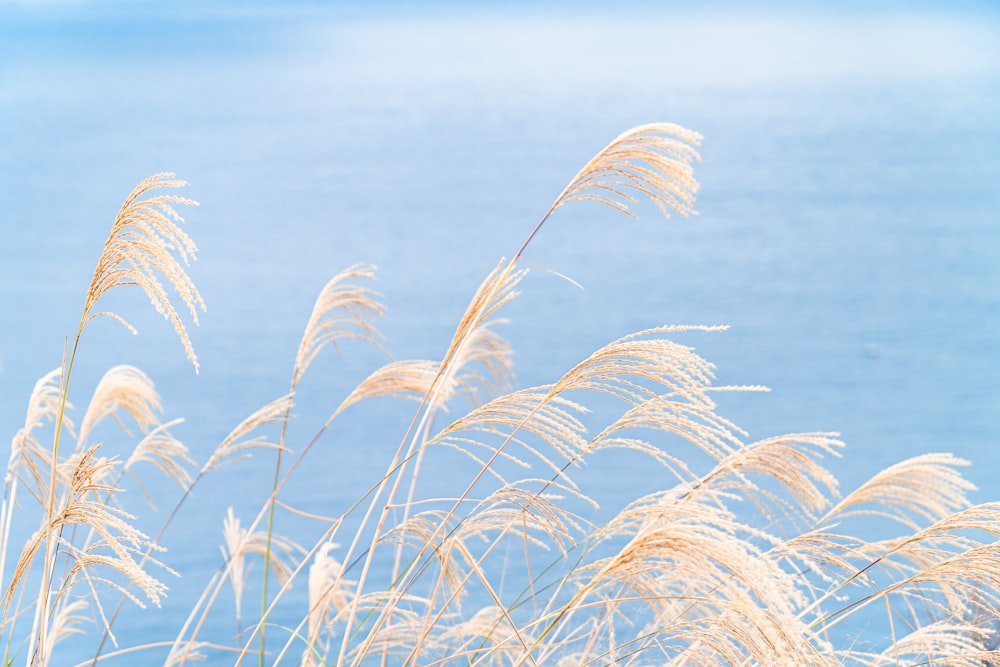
[(51, 549), (270, 520)]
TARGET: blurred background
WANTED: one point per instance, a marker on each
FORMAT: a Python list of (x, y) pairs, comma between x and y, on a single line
[(848, 227)]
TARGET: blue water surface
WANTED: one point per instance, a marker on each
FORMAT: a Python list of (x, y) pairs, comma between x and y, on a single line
[(848, 227)]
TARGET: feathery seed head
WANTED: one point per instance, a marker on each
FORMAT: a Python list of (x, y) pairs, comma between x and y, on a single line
[(328, 590), (161, 449), (342, 310), (234, 446), (144, 239), (125, 388), (652, 160), (29, 460)]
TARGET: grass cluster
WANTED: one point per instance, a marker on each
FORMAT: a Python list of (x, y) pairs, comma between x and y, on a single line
[(749, 559)]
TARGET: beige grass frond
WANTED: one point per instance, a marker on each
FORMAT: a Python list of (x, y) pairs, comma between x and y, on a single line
[(241, 543), (676, 465), (950, 643), (829, 557), (484, 366), (31, 464), (186, 651), (234, 446), (90, 477), (329, 595), (950, 537), (944, 584), (43, 406), (984, 517), (65, 624), (692, 548), (499, 288), (144, 239), (925, 487), (534, 517), (529, 411), (693, 422), (29, 460), (715, 596), (944, 571), (652, 161), (119, 546), (408, 378), (87, 562), (343, 310), (278, 553), (168, 454), (126, 388), (849, 567), (397, 639), (738, 632), (436, 529), (638, 369), (675, 328), (790, 460), (488, 631), (102, 473), (328, 590), (233, 536)]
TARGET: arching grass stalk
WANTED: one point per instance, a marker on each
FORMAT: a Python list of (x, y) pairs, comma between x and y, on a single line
[(270, 521), (343, 310), (49, 559), (138, 251)]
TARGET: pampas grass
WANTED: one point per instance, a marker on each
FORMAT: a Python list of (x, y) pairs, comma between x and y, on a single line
[(745, 555)]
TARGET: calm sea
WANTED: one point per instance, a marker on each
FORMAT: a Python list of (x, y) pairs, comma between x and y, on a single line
[(848, 227)]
